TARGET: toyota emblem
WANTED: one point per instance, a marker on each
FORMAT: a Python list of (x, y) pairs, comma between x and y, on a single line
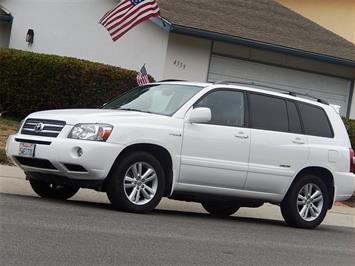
[(39, 127)]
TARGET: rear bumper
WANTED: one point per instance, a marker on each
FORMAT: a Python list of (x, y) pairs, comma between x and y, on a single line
[(344, 185), (58, 157)]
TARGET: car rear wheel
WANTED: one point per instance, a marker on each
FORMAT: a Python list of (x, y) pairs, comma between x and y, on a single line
[(220, 209), (53, 191), (136, 183), (306, 203)]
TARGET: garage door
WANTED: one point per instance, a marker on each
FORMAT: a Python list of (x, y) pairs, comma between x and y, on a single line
[(334, 90)]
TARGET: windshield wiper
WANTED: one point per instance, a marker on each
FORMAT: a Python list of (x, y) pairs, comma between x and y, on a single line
[(135, 110)]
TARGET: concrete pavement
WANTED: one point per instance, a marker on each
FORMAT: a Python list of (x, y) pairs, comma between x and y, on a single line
[(12, 181)]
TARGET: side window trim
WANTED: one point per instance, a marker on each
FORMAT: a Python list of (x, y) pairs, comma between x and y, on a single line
[(299, 117), (246, 108)]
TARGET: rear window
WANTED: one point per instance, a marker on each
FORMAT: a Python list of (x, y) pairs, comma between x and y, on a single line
[(315, 121), (268, 113)]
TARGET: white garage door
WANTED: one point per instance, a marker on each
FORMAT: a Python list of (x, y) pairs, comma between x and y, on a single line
[(334, 90)]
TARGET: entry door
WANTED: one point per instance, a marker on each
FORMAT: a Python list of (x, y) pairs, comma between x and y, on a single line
[(216, 153)]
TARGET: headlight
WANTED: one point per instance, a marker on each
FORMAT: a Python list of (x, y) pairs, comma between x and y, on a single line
[(97, 132)]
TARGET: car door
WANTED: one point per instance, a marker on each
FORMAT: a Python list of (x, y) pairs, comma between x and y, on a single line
[(216, 153), (278, 148)]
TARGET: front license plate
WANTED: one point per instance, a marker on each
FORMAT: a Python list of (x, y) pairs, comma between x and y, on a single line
[(27, 150)]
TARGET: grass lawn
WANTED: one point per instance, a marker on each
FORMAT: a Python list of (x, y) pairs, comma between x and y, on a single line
[(8, 126)]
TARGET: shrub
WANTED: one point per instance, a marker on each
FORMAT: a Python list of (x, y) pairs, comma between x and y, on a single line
[(350, 127), (31, 82)]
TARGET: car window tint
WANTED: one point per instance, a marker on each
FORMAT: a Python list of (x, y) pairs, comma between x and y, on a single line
[(293, 118), (268, 113), (315, 121), (227, 107)]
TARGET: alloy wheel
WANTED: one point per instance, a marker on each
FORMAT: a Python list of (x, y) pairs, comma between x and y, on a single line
[(310, 202), (140, 183)]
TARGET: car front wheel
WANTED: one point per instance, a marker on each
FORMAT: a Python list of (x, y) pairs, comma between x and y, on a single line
[(306, 204), (136, 183)]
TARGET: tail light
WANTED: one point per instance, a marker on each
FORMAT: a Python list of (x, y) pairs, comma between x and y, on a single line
[(352, 166)]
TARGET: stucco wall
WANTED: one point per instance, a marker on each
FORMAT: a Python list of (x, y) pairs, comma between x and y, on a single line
[(5, 30), (71, 28), (187, 58), (335, 15)]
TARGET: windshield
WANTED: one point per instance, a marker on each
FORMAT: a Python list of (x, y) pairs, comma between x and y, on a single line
[(163, 99)]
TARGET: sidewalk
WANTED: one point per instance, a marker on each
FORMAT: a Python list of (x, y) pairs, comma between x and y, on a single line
[(12, 181)]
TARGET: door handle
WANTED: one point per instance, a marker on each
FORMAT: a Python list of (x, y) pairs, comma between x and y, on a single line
[(241, 135), (298, 141)]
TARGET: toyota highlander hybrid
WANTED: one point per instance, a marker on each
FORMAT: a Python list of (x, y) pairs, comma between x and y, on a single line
[(223, 145)]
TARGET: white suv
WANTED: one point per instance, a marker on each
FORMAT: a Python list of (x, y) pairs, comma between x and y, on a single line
[(225, 146)]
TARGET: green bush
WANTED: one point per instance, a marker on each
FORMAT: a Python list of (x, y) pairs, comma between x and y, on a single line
[(350, 127), (31, 82)]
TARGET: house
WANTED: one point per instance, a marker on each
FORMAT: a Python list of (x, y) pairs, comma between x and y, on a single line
[(336, 16), (5, 27), (202, 40)]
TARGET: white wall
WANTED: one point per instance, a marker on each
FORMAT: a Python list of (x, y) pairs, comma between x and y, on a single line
[(70, 28), (5, 29), (187, 58)]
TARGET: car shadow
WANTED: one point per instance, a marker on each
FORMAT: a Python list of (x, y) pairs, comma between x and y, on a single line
[(191, 214), (103, 206)]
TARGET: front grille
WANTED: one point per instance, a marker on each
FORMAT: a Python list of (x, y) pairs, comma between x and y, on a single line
[(35, 162), (42, 127)]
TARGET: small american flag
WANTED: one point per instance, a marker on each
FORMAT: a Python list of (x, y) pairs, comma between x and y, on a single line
[(127, 14), (142, 76)]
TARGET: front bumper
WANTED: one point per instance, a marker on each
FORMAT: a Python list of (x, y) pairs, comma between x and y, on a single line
[(96, 160)]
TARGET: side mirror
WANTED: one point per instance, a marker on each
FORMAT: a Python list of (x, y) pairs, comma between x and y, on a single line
[(200, 115)]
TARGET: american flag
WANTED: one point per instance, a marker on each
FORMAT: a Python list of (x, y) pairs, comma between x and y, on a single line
[(142, 76), (127, 14)]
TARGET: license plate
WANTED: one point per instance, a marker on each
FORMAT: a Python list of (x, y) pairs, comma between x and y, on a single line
[(27, 149)]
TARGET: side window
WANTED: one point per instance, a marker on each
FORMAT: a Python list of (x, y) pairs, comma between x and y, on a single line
[(315, 121), (268, 113), (227, 107), (293, 118)]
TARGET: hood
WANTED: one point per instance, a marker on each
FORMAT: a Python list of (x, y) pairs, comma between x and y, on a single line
[(75, 116)]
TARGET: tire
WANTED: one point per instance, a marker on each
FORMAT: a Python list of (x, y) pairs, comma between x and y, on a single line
[(140, 172), (220, 209), (299, 199), (52, 191)]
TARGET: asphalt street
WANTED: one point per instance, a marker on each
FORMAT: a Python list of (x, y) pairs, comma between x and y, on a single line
[(36, 231)]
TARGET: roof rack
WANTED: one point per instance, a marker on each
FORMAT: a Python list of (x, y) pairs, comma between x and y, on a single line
[(170, 80), (292, 93)]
